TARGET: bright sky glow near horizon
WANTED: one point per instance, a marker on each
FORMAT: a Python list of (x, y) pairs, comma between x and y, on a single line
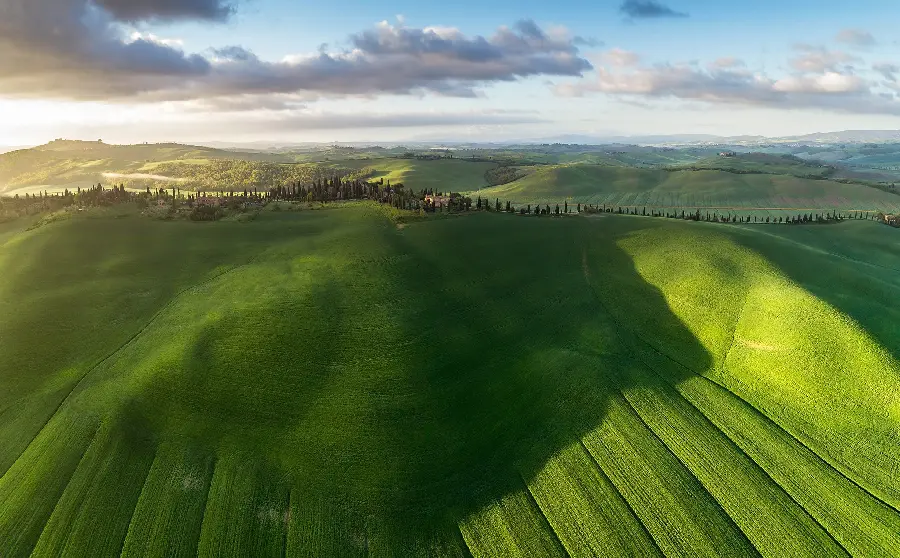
[(214, 70)]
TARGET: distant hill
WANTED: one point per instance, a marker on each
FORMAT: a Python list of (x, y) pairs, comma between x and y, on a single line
[(624, 186), (8, 148), (80, 163), (763, 163)]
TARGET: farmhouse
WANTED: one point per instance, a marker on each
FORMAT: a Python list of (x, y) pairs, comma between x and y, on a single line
[(727, 154), (214, 201), (437, 201)]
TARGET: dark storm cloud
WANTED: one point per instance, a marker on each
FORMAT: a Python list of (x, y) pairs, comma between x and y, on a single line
[(80, 50), (647, 9), (139, 10), (72, 48)]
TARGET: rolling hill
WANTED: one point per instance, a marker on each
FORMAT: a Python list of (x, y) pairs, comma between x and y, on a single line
[(326, 383), (628, 187), (421, 174), (81, 163)]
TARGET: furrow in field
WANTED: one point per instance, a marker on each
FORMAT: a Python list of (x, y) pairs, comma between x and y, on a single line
[(510, 526), (169, 512), (680, 515), (386, 536), (763, 511), (663, 361), (861, 523), (93, 514), (65, 394), (246, 513), (326, 529), (837, 406), (31, 488), (583, 507)]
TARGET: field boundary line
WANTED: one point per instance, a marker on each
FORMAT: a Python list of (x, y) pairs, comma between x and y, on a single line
[(686, 368), (628, 505), (740, 450), (818, 250), (687, 469), (815, 455), (715, 428), (549, 525), (131, 339), (68, 482), (137, 502), (765, 416)]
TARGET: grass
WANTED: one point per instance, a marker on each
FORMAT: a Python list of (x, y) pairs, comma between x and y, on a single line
[(738, 193), (456, 175), (327, 383)]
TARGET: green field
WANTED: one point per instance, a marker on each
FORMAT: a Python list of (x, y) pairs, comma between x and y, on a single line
[(327, 383), (454, 175), (727, 191)]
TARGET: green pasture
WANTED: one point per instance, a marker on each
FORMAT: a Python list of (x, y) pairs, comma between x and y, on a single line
[(447, 175), (328, 383), (720, 191)]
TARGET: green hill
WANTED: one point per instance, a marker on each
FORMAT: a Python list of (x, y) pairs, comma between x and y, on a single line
[(79, 163), (71, 164), (624, 186), (456, 175), (325, 383), (763, 163)]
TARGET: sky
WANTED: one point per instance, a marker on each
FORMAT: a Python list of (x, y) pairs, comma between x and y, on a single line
[(129, 71)]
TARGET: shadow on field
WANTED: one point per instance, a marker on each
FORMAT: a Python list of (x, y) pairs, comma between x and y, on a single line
[(526, 330), (497, 344)]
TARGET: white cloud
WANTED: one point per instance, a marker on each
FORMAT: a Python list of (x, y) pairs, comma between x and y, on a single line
[(833, 91), (829, 82), (151, 38), (726, 62), (620, 57), (817, 59)]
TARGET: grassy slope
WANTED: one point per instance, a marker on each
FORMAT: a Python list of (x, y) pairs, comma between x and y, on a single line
[(763, 163), (455, 175), (325, 384), (76, 164), (635, 187)]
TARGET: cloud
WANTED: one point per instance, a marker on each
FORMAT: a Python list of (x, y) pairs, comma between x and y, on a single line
[(725, 63), (72, 49), (586, 41), (309, 120), (142, 10), (829, 82), (856, 37), (647, 9), (244, 103), (889, 71), (295, 122), (829, 90), (620, 57), (818, 59)]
